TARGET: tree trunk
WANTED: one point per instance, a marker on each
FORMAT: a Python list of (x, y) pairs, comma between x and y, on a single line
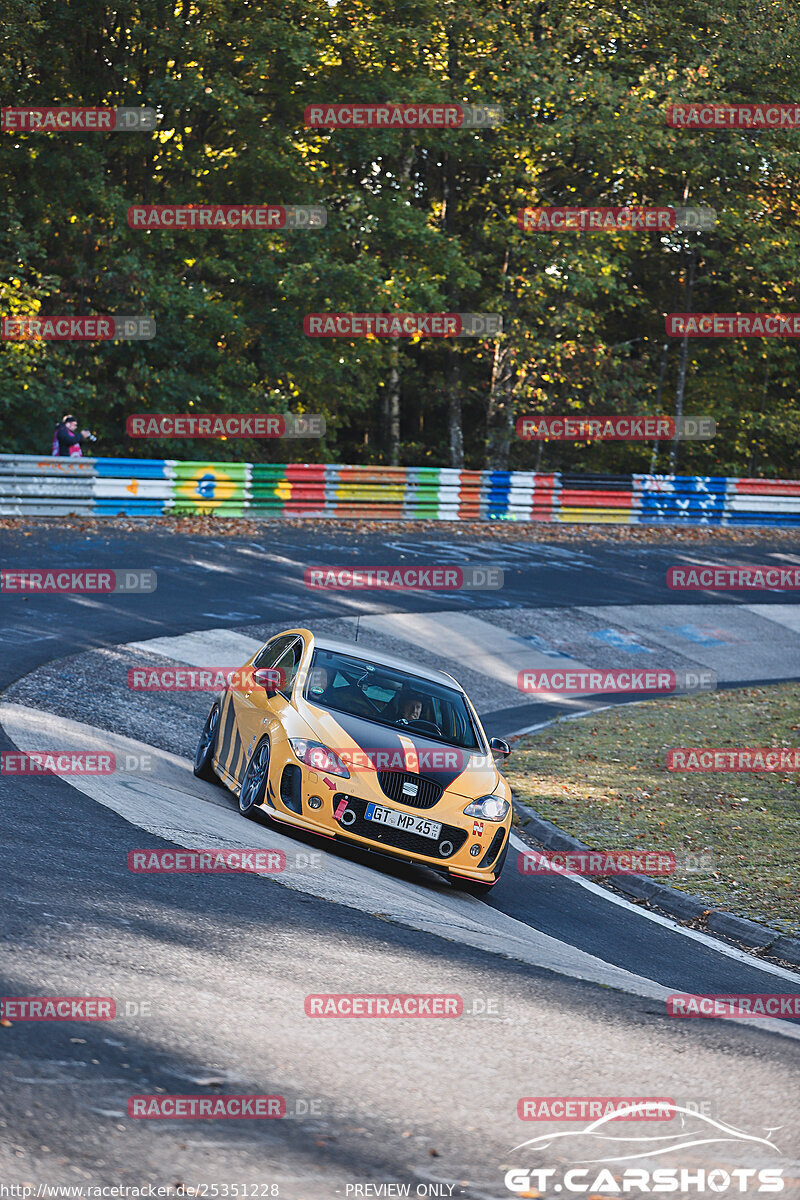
[(455, 428), (751, 466), (682, 362), (393, 406), (500, 409), (395, 371), (662, 372)]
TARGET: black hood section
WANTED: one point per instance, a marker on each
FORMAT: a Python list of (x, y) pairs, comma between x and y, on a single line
[(437, 761)]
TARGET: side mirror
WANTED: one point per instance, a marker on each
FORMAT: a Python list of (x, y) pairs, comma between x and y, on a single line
[(498, 746), (268, 679)]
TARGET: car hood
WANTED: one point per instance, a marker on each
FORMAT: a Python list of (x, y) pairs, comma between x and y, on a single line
[(467, 773)]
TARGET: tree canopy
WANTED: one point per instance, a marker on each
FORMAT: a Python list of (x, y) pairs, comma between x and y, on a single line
[(419, 220)]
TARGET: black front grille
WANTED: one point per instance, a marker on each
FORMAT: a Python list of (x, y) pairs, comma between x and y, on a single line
[(291, 787), (355, 822), (428, 792), (494, 848)]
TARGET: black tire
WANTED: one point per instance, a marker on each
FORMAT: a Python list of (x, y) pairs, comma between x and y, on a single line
[(204, 754), (472, 887), (501, 862), (475, 888), (254, 784)]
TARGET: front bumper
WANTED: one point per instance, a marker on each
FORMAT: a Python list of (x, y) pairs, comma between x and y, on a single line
[(459, 848)]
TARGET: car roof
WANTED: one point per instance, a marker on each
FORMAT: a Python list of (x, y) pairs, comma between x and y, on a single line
[(365, 652)]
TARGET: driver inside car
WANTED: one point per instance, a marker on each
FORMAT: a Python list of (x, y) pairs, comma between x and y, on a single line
[(410, 709)]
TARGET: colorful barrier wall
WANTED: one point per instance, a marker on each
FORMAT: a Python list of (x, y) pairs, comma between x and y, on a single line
[(39, 486)]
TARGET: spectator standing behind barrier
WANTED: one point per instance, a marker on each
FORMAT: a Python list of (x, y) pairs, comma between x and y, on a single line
[(67, 440)]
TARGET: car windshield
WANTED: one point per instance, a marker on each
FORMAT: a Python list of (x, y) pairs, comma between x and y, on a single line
[(390, 696)]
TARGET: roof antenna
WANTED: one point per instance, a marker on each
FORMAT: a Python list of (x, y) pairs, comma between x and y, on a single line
[(358, 619)]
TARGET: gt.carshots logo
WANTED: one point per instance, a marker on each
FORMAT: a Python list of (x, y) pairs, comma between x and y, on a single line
[(403, 116), (77, 120), (70, 581), (224, 425), (386, 1005), (227, 216), (350, 325), (596, 1146), (437, 578), (57, 1008), (204, 1108), (577, 680), (733, 578)]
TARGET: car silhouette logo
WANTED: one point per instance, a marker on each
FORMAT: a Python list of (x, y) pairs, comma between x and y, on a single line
[(697, 1129)]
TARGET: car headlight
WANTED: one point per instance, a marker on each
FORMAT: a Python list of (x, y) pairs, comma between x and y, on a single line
[(488, 808), (318, 757)]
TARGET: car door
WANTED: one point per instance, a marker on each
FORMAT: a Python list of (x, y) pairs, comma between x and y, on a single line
[(238, 715), (256, 711)]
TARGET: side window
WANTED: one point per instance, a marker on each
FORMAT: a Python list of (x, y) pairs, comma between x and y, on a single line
[(288, 663), (268, 657)]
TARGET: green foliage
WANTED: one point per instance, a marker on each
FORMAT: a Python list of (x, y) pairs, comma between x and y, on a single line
[(418, 220)]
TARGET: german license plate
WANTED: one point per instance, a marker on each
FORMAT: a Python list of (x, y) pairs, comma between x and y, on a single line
[(398, 820)]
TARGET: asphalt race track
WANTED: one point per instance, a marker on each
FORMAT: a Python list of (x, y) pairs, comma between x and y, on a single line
[(563, 982)]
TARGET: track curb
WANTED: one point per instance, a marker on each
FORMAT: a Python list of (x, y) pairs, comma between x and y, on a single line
[(675, 903)]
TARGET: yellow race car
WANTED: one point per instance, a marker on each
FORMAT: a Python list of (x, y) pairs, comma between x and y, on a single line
[(364, 748)]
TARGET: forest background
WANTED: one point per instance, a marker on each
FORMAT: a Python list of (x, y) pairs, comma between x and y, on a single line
[(418, 221)]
